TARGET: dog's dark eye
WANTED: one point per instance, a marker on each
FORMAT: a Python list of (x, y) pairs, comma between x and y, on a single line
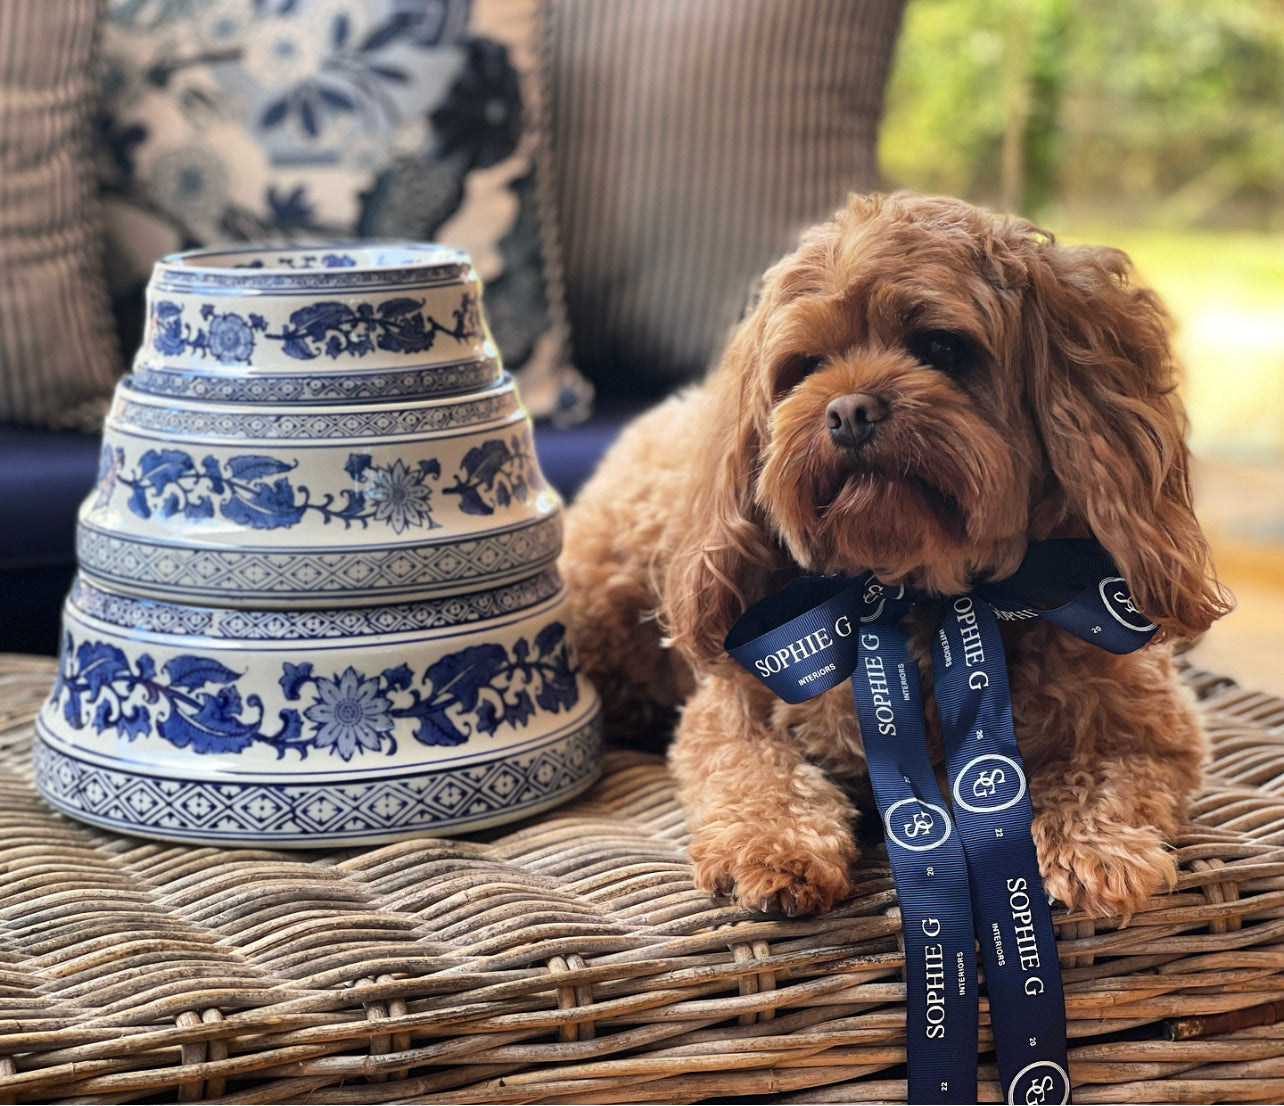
[(795, 370), (943, 351)]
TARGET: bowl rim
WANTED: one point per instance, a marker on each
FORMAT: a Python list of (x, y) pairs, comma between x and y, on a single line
[(435, 254), (525, 547), (98, 604), (503, 385)]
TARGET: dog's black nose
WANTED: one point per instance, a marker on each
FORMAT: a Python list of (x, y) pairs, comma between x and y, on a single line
[(852, 418)]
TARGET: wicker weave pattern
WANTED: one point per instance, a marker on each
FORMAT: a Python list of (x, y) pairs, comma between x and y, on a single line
[(570, 960)]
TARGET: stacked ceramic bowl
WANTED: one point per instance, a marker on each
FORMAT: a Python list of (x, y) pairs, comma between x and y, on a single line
[(317, 601)]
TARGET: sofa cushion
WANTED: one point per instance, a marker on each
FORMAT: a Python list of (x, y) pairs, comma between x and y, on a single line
[(568, 455), (44, 474), (691, 142), (58, 353), (324, 119)]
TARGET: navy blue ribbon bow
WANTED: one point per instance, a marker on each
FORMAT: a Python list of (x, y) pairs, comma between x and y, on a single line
[(968, 874)]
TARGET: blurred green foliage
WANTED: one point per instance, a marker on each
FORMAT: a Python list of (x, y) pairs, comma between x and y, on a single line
[(1163, 112)]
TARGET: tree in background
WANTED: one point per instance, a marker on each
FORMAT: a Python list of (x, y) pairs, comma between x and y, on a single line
[(1168, 112)]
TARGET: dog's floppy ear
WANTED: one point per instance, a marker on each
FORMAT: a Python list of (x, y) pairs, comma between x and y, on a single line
[(724, 558), (1102, 385)]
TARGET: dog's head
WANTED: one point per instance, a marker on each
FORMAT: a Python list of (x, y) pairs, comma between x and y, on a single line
[(921, 389)]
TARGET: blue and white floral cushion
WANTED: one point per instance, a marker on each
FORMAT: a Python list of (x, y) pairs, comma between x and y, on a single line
[(308, 120)]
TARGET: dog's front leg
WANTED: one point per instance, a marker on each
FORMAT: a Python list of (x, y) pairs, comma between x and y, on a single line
[(1119, 753), (1101, 833), (767, 827)]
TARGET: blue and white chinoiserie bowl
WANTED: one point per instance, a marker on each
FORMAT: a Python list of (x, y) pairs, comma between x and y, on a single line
[(316, 727), (271, 504), (317, 602), (406, 310)]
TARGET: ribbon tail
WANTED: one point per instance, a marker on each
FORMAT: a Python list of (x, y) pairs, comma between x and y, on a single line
[(927, 866), (993, 812)]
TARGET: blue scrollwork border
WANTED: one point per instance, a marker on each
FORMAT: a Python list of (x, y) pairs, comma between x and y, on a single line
[(347, 573), (316, 388), (237, 624), (450, 799)]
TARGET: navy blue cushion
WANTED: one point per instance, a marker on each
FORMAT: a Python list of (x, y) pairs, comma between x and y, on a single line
[(568, 456), (44, 475)]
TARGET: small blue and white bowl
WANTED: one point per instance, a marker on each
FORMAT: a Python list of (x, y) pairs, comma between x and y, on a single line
[(255, 312), (317, 602), (314, 728)]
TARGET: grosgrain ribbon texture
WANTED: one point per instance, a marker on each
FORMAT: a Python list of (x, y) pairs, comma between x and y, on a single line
[(967, 872), (928, 863)]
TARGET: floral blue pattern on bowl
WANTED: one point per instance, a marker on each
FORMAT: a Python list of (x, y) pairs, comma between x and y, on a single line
[(198, 697), (241, 503), (329, 327), (195, 701), (169, 481), (250, 488), (389, 307), (305, 620), (250, 701)]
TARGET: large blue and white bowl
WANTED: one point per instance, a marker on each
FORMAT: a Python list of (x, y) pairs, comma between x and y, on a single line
[(317, 602), (316, 727)]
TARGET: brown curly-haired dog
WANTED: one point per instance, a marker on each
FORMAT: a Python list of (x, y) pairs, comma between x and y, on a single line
[(922, 389)]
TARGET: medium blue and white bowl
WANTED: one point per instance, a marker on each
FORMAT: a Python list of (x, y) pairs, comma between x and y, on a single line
[(254, 503), (317, 602)]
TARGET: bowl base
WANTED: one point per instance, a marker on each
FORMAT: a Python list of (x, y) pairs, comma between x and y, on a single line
[(368, 811)]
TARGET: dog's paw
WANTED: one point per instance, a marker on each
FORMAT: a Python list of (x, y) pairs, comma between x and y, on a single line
[(791, 870), (1105, 868)]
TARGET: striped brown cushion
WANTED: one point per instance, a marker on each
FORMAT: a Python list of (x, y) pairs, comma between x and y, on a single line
[(58, 354), (691, 141)]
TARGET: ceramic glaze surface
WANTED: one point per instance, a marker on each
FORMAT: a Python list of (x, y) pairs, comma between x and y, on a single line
[(316, 600), (428, 476), (360, 385), (345, 573), (387, 308), (370, 699)]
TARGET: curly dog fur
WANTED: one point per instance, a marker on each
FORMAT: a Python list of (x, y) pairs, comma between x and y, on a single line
[(1021, 390)]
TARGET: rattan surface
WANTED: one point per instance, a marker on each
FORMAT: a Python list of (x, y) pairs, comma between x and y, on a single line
[(570, 960)]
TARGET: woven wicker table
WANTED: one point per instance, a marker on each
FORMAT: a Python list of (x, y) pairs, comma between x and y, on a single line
[(570, 960)]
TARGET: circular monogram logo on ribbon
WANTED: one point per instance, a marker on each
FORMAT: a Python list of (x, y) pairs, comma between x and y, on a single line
[(1118, 602), (988, 783), (876, 596), (1042, 1082), (916, 825)]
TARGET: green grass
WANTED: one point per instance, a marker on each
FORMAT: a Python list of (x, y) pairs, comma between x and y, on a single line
[(1187, 266), (1226, 291)]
